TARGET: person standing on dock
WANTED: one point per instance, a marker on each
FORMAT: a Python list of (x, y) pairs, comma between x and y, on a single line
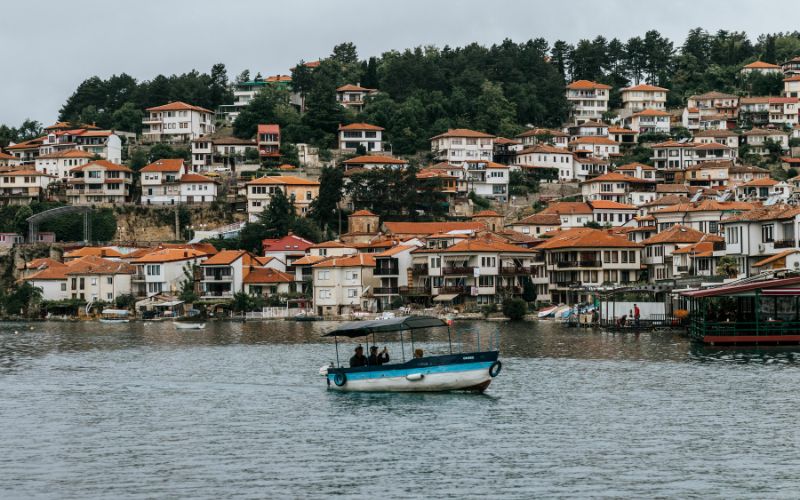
[(636, 315)]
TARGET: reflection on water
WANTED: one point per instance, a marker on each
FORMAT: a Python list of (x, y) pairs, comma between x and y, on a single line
[(143, 410)]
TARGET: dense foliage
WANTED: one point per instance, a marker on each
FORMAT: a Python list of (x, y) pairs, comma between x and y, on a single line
[(66, 227)]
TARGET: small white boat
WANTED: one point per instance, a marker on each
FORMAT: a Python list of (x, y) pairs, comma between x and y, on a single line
[(114, 316), (547, 312), (185, 325)]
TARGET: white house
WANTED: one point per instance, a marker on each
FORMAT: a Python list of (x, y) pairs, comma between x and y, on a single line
[(99, 183), (223, 274), (342, 285), (176, 122), (89, 278), (105, 144), (601, 147), (791, 86), (369, 137), (783, 111), (459, 145), (59, 163), (649, 121), (301, 192), (159, 181), (757, 139), (353, 96), (221, 153), (487, 179), (545, 155), (761, 67), (644, 96), (21, 187), (589, 100), (164, 270), (370, 162)]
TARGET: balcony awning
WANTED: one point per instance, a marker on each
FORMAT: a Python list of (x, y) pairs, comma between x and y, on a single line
[(445, 297)]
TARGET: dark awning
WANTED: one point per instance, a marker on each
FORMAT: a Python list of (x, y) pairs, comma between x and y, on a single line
[(734, 289), (363, 328)]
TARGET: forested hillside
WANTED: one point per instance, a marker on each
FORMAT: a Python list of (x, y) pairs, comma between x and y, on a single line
[(426, 90)]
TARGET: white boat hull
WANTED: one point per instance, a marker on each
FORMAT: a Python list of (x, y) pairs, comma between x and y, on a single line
[(417, 380), (189, 326), (105, 320)]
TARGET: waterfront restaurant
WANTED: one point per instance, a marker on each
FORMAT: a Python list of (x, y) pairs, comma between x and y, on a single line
[(763, 312)]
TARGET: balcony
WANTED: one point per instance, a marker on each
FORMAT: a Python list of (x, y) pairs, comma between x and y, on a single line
[(387, 290), (217, 295), (454, 289), (458, 271), (386, 271), (514, 270), (414, 290), (217, 278), (683, 269), (149, 119), (783, 244), (509, 289), (138, 277), (579, 263)]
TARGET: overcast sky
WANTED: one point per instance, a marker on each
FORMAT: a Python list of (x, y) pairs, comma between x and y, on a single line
[(50, 46)]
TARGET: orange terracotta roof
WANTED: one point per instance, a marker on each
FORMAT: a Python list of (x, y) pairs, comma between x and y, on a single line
[(760, 183), (362, 213), (681, 234), (267, 275), (463, 132), (761, 65), (651, 112), (378, 159), (178, 106), (545, 148), (486, 213), (43, 263), (706, 206), (674, 144), (583, 237), (107, 165), (360, 126), (197, 178), (164, 165), (770, 260), (353, 88), (587, 84), (594, 140), (644, 87), (29, 173), (66, 153), (394, 250), (567, 207), (700, 249), (540, 219), (310, 260), (477, 245), (424, 228), (96, 251), (633, 166), (284, 179), (610, 205), (169, 255), (224, 257), (357, 260), (330, 244), (616, 177), (543, 131), (92, 264)]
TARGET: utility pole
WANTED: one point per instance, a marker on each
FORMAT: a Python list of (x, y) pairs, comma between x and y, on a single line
[(177, 224)]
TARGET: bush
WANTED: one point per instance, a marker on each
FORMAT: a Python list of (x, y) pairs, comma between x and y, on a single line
[(514, 309), (487, 310)]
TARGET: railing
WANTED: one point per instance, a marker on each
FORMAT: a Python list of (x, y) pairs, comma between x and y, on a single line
[(783, 243), (698, 328), (579, 263), (387, 290), (719, 246), (566, 284), (453, 289), (138, 277), (385, 271), (683, 269), (458, 270), (509, 289), (419, 270), (207, 277), (414, 290), (226, 295), (513, 270)]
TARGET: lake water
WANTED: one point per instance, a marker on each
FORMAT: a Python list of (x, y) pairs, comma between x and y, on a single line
[(238, 410)]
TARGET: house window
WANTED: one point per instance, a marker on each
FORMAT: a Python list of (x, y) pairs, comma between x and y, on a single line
[(324, 275), (352, 293), (486, 281), (767, 231), (64, 287)]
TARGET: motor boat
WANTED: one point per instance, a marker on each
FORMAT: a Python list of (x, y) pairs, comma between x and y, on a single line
[(455, 371)]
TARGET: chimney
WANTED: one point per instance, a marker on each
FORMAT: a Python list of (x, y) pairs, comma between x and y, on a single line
[(185, 253)]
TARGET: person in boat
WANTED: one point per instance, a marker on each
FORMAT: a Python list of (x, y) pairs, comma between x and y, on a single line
[(358, 358), (376, 358), (417, 353), (621, 322)]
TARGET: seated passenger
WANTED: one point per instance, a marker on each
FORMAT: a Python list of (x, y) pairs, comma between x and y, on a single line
[(375, 358), (417, 353), (358, 358)]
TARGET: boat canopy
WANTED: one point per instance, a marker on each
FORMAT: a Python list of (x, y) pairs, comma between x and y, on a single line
[(364, 328), (116, 312), (784, 286)]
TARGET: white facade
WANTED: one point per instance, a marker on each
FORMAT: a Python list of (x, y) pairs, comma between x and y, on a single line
[(460, 145), (589, 100), (177, 122), (369, 137), (641, 97)]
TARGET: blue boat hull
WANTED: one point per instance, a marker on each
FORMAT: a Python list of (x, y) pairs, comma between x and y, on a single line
[(456, 372)]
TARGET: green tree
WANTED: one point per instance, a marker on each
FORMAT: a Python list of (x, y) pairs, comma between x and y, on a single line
[(22, 299), (262, 109), (127, 118), (325, 208), (251, 237), (515, 309), (187, 286), (278, 216), (727, 266)]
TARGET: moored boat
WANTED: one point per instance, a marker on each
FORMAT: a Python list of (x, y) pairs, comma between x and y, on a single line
[(114, 316), (546, 312), (188, 325), (470, 371)]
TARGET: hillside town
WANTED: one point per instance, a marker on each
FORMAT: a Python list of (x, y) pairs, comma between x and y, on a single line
[(615, 198)]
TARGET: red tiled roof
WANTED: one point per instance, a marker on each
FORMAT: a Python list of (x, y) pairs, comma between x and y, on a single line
[(761, 65), (111, 167), (681, 234), (376, 159), (353, 88), (267, 275), (463, 132), (196, 178), (645, 88), (178, 106), (284, 179), (360, 126), (164, 165), (66, 153), (610, 205), (424, 228), (357, 260), (583, 237), (587, 84), (290, 242), (269, 128)]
